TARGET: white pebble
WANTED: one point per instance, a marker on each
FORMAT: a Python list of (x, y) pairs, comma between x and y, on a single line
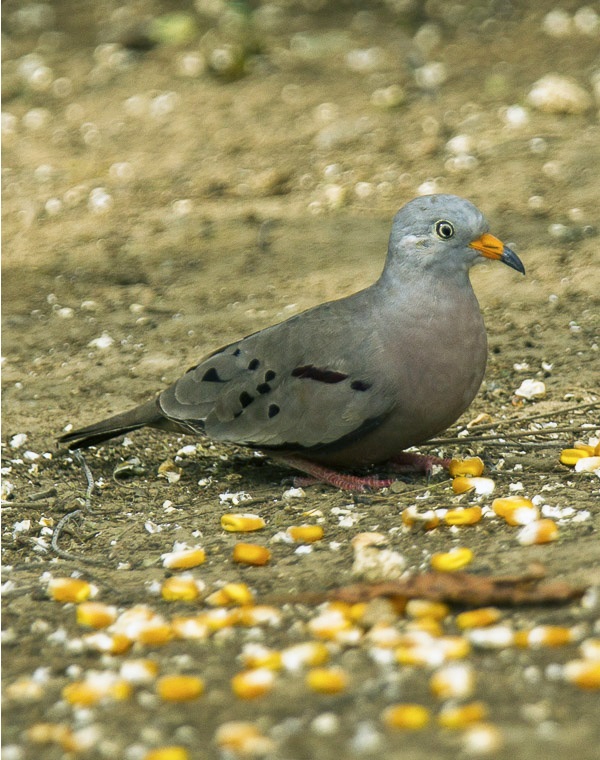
[(365, 60), (516, 116), (9, 123), (335, 195), (36, 118), (388, 97), (294, 493), (65, 312), (363, 189), (431, 75), (482, 739), (163, 105), (18, 440), (103, 342), (99, 201), (429, 187), (554, 93), (53, 206), (538, 145), (459, 144), (557, 23), (40, 78), (122, 171), (191, 64), (325, 724), (530, 389), (182, 207), (587, 21)]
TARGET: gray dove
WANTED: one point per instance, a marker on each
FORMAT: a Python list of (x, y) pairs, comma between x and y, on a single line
[(352, 382)]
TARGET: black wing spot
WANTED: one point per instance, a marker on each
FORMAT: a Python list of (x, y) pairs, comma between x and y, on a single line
[(254, 364), (360, 385), (269, 375), (263, 388), (246, 399), (273, 410), (321, 374), (237, 352), (211, 376)]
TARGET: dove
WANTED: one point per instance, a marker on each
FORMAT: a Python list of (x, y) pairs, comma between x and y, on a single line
[(351, 382)]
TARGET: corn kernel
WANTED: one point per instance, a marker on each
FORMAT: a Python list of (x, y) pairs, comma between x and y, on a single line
[(329, 623), (155, 633), (571, 456), (455, 559), (516, 510), (109, 643), (243, 739), (583, 673), (538, 532), (407, 716), (492, 637), (412, 517), (428, 625), (307, 654), (53, 733), (231, 593), (326, 680), (220, 617), (167, 753), (96, 614), (545, 636), (424, 608), (481, 486), (179, 688), (95, 688), (463, 516), (251, 554), (259, 656), (250, 684), (188, 628), (183, 559), (384, 636), (241, 523), (431, 652), (459, 716), (478, 618), (454, 681), (305, 534), (24, 690), (588, 464), (258, 614), (70, 589), (472, 466), (179, 589), (140, 671)]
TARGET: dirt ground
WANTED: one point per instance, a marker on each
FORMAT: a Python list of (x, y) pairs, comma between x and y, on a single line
[(165, 192)]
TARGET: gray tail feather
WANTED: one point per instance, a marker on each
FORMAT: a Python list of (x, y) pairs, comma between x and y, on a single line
[(148, 414)]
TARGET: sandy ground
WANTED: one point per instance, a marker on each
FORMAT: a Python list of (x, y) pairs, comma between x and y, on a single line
[(165, 208)]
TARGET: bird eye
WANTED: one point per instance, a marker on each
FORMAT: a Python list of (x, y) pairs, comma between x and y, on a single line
[(444, 229)]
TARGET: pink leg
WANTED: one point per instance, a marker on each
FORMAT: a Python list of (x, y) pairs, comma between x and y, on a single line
[(320, 474), (409, 462)]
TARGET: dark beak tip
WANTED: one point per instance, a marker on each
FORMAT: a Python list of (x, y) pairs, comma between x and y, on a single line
[(511, 259)]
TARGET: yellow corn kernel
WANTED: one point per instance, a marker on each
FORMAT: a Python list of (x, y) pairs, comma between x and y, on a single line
[(179, 589), (70, 589), (231, 593), (478, 618), (53, 733), (305, 534), (454, 681), (242, 739), (184, 559), (588, 464), (167, 753), (258, 614), (412, 517), (251, 554), (326, 680), (141, 671), (538, 532), (407, 716), (545, 636), (194, 627), (432, 652), (307, 654), (463, 516), (179, 688), (472, 466), (220, 617), (24, 690), (424, 608), (93, 690), (259, 656), (155, 633), (571, 456), (596, 452), (241, 523), (96, 614), (481, 486), (109, 643), (583, 673), (250, 684), (455, 559), (428, 625), (516, 510), (459, 716)]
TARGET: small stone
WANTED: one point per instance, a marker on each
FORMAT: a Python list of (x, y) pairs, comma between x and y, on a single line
[(554, 93)]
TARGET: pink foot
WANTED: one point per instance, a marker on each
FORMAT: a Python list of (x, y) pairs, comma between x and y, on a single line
[(320, 474), (409, 462)]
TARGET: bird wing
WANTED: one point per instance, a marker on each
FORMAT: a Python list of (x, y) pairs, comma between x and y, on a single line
[(295, 385)]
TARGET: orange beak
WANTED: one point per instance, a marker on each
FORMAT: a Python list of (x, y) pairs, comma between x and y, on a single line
[(492, 248)]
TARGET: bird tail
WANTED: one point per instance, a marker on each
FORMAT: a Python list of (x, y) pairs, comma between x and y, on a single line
[(148, 414)]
